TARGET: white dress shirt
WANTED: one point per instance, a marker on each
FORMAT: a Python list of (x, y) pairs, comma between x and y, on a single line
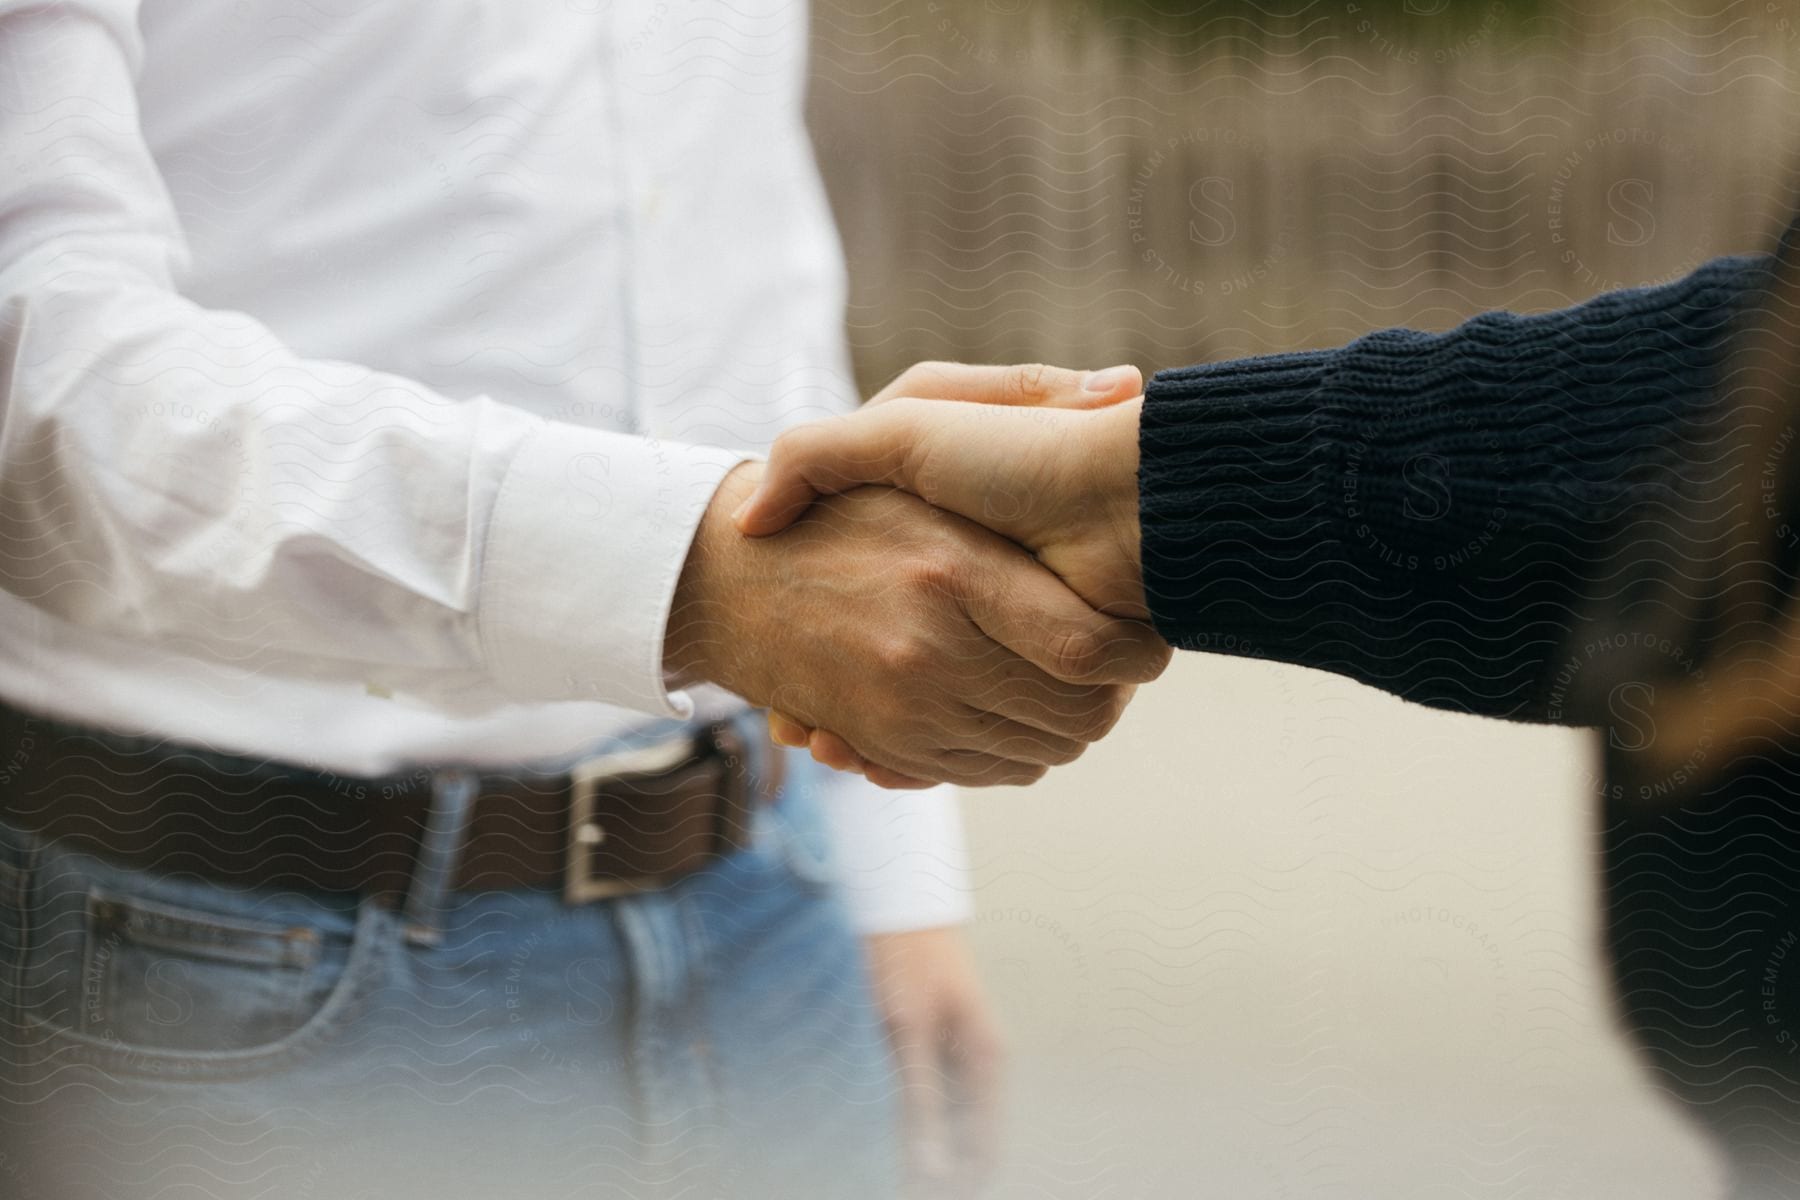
[(365, 369)]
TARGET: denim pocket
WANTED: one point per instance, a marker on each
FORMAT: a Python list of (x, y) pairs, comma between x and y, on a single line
[(173, 992), (156, 975)]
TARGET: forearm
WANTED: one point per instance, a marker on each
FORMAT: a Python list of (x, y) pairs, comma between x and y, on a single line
[(178, 474), (1423, 512)]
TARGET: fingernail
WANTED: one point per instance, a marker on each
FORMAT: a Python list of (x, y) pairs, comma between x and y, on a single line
[(1102, 382)]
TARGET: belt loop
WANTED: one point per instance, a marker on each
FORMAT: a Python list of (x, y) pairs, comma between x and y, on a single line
[(453, 792), (762, 778)]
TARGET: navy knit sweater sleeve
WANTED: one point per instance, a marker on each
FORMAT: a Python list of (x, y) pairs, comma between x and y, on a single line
[(1423, 512)]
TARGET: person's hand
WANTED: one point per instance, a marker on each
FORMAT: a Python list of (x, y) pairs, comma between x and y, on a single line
[(932, 647), (947, 1050), (1057, 476), (1053, 465)]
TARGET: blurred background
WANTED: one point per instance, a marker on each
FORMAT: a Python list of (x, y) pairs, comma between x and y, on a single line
[(1283, 936)]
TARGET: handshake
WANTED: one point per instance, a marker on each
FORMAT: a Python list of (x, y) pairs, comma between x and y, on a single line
[(979, 630)]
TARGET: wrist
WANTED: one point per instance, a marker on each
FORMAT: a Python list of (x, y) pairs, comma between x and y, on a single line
[(700, 643), (1114, 486)]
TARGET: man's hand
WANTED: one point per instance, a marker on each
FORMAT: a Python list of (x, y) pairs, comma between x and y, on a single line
[(947, 1049), (1044, 455), (1059, 477), (932, 647)]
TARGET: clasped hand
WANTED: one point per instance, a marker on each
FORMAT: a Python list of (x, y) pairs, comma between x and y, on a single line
[(977, 631)]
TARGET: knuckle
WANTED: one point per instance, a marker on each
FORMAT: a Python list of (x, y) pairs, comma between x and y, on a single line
[(1007, 772), (1112, 707), (786, 447), (935, 571), (1150, 659), (801, 437), (920, 377), (1077, 653), (964, 776), (909, 413), (1101, 712), (905, 656), (1029, 380)]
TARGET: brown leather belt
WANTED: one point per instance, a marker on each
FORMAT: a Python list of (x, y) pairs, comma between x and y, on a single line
[(617, 823)]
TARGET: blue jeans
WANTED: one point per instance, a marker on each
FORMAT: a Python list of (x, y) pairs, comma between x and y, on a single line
[(163, 1037)]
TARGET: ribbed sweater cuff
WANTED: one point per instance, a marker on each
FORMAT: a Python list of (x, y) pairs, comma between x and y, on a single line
[(1237, 466)]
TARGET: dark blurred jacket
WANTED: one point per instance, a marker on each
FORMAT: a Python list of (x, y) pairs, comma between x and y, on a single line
[(1586, 517)]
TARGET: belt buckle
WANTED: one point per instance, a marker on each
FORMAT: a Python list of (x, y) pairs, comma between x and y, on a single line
[(585, 833)]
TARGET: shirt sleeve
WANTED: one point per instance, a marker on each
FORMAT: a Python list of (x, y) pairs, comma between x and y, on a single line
[(177, 474), (1424, 512), (900, 854)]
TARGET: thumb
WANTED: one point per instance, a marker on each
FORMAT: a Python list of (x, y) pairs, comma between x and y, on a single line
[(1031, 385), (870, 446), (879, 442)]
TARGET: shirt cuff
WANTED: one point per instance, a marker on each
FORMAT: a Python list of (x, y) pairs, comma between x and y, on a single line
[(900, 855), (586, 543)]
